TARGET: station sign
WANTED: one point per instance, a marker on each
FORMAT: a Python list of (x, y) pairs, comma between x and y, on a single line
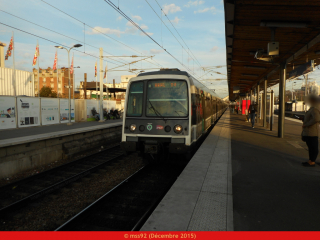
[(302, 69), (236, 89)]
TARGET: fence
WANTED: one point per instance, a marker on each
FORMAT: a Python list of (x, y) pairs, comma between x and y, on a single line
[(21, 112)]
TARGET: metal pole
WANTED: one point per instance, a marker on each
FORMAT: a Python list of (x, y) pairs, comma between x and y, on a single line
[(265, 104), (305, 93), (74, 81), (282, 89), (271, 110), (85, 86), (14, 66), (107, 80), (38, 73), (250, 96), (257, 102), (292, 93), (101, 85), (57, 75), (69, 87)]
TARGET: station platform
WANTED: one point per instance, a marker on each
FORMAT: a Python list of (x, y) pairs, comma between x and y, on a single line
[(201, 198), (15, 136), (244, 179)]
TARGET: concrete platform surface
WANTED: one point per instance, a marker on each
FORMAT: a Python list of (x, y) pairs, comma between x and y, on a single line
[(271, 190), (24, 135), (201, 198)]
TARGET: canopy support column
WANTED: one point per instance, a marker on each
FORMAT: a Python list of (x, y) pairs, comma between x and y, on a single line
[(265, 103), (282, 90)]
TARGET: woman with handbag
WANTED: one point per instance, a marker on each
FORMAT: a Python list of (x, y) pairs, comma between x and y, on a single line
[(310, 130)]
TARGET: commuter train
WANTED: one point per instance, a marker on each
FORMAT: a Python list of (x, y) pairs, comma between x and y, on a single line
[(167, 111)]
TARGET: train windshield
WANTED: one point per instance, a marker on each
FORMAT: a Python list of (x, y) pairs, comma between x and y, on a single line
[(167, 98), (135, 99)]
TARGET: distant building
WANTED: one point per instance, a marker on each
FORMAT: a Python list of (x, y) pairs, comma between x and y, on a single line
[(314, 88), (21, 81), (125, 79), (24, 82), (55, 79), (92, 85)]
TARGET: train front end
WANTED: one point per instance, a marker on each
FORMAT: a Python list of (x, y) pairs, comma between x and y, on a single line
[(157, 115)]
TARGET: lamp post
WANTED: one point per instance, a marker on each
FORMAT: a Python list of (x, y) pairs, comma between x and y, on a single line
[(292, 92), (69, 85)]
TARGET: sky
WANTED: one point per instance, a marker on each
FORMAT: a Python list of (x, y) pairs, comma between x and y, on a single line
[(196, 40)]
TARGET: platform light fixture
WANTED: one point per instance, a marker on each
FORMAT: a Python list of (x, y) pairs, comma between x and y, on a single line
[(255, 67), (283, 24), (249, 75)]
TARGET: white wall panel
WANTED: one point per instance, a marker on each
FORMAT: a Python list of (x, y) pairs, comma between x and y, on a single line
[(25, 82)]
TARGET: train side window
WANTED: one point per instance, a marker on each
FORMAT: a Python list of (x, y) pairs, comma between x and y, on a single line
[(135, 100)]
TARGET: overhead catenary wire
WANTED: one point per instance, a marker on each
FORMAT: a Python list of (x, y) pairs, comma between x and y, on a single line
[(56, 32), (94, 29), (179, 34), (110, 3), (167, 28), (46, 39), (91, 27)]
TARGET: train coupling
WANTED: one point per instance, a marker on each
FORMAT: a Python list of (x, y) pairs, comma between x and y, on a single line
[(151, 148)]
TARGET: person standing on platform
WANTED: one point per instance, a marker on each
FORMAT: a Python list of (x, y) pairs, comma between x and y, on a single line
[(310, 129), (247, 116), (252, 112)]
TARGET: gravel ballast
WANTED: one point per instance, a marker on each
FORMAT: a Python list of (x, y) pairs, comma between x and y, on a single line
[(49, 212)]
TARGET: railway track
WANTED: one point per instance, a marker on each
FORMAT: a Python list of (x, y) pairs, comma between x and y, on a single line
[(126, 206), (16, 195)]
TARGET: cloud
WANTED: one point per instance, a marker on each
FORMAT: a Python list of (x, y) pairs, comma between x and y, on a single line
[(176, 20), (171, 8), (119, 18), (211, 9), (131, 29), (195, 3), (149, 33), (137, 18), (215, 48), (144, 27), (99, 30), (156, 51)]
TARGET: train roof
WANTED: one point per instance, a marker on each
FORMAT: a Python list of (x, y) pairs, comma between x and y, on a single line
[(176, 71)]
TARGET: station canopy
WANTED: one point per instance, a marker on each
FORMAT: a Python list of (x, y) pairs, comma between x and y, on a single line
[(250, 25)]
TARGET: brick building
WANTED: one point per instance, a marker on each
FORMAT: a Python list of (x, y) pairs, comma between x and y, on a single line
[(48, 77)]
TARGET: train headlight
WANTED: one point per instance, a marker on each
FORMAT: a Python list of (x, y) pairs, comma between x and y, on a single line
[(133, 127), (177, 128)]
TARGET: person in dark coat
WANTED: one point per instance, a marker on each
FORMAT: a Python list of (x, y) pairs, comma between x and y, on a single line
[(310, 129)]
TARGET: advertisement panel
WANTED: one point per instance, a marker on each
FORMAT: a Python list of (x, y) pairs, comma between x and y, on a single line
[(49, 111), (7, 112), (91, 105), (28, 111), (64, 110)]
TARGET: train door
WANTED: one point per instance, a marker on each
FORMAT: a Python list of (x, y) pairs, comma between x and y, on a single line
[(203, 109)]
